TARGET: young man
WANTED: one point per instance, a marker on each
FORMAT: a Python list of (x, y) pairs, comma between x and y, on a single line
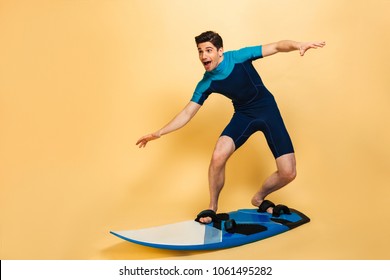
[(233, 75)]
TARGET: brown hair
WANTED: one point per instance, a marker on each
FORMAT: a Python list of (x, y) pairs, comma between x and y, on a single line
[(210, 36)]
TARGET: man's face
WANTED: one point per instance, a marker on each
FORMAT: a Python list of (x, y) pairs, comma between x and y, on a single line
[(209, 56)]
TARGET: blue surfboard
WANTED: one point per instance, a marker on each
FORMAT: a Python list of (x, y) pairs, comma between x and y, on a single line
[(241, 227)]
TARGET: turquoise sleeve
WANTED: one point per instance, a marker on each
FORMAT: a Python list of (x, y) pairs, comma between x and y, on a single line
[(248, 53)]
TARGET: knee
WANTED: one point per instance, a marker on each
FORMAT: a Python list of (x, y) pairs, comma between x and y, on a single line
[(218, 158), (288, 175), (223, 150)]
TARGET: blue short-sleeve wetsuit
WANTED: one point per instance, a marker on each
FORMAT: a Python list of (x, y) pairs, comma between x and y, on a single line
[(255, 107)]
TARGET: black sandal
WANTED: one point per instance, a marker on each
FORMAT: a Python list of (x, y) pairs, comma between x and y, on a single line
[(207, 213), (265, 205), (280, 209), (215, 218)]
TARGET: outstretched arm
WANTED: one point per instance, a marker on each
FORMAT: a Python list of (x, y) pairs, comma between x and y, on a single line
[(288, 46), (176, 123)]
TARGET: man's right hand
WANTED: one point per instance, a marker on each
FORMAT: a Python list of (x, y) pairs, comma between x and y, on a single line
[(145, 139)]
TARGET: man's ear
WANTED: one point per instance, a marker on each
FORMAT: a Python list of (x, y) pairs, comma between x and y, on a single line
[(220, 52)]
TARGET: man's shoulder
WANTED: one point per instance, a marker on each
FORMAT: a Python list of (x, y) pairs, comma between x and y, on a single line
[(246, 53), (205, 82)]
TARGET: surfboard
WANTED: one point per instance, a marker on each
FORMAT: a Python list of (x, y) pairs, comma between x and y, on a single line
[(242, 226)]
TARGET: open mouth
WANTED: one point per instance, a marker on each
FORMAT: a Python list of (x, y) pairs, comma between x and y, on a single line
[(206, 63)]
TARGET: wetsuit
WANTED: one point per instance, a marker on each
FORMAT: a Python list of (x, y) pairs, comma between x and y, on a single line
[(255, 107)]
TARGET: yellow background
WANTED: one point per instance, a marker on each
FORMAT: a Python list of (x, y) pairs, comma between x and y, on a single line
[(81, 81)]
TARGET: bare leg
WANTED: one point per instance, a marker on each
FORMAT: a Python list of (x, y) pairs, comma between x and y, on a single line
[(286, 172), (223, 150)]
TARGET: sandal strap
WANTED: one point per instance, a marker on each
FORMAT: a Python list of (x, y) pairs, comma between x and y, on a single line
[(265, 205), (207, 213), (280, 209)]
